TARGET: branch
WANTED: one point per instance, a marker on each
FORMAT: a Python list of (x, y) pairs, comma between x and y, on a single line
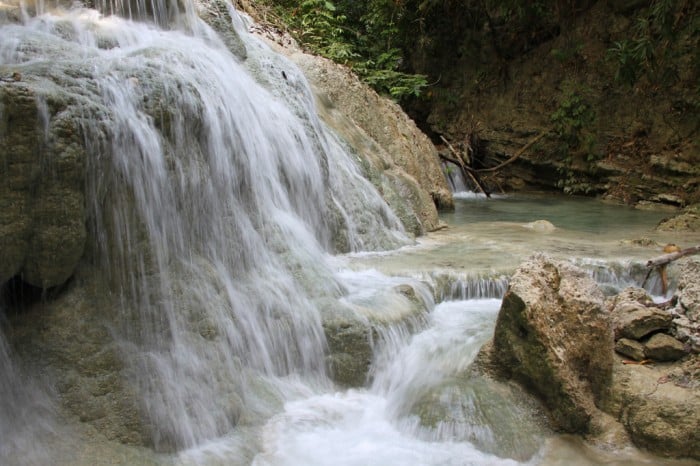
[(666, 258), (467, 171), (517, 154)]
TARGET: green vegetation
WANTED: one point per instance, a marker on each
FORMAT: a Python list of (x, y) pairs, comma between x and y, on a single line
[(639, 63), (575, 139), (573, 120), (380, 39), (662, 34), (361, 35)]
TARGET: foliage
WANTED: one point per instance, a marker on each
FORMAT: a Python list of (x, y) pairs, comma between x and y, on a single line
[(662, 33), (362, 36), (573, 122)]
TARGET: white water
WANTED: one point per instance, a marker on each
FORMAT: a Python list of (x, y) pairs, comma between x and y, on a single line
[(211, 180)]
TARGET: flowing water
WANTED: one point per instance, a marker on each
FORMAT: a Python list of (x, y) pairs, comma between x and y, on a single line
[(211, 182)]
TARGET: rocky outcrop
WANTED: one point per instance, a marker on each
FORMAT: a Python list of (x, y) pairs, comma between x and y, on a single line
[(687, 220), (642, 330), (56, 177), (548, 302), (631, 144), (658, 403), (555, 336), (42, 166), (403, 146)]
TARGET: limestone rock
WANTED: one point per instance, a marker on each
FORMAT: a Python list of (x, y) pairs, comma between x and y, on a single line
[(659, 412), (630, 348), (354, 110), (349, 346), (686, 324), (633, 320), (42, 179), (352, 330), (681, 222), (662, 347), (553, 336)]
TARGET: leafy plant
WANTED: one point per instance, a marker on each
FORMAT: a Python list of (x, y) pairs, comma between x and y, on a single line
[(572, 119), (655, 45)]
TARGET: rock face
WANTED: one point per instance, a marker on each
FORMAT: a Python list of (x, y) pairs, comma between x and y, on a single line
[(553, 336), (42, 170), (396, 156), (404, 148)]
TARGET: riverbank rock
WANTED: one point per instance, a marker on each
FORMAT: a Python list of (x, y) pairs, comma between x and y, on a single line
[(642, 330), (554, 337), (688, 220), (659, 405)]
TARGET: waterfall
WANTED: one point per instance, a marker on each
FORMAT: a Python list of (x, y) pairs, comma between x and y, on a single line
[(215, 195)]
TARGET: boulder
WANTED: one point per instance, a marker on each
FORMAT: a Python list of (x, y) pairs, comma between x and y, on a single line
[(662, 347), (353, 329), (634, 321), (553, 336), (630, 348)]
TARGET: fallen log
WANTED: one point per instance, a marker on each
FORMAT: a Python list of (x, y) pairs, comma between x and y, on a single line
[(661, 262), (514, 157), (670, 257)]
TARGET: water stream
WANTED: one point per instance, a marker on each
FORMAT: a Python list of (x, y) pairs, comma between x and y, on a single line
[(210, 184)]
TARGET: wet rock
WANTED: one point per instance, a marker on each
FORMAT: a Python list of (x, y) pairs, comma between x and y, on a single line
[(353, 329), (630, 348), (553, 336), (76, 347), (498, 418), (394, 149), (542, 226), (42, 173), (349, 338), (662, 347)]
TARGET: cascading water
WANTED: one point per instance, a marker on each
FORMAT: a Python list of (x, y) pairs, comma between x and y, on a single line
[(209, 195), (215, 195)]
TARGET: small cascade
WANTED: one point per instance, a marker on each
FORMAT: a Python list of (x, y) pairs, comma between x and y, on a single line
[(613, 276), (480, 287)]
